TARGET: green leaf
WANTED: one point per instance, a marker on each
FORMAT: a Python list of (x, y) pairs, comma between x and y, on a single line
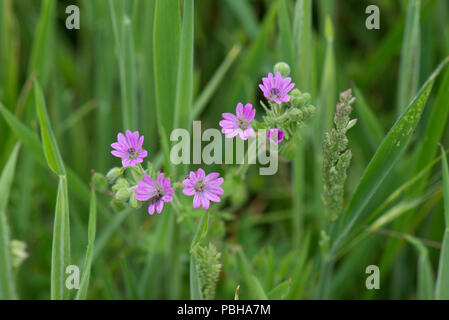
[(426, 280), (286, 45), (124, 42), (252, 283), (328, 91), (433, 132), (280, 291), (7, 285), (27, 137), (410, 57), (442, 286), (82, 292), (166, 59), (302, 33), (60, 255), (49, 144), (40, 61), (184, 92)]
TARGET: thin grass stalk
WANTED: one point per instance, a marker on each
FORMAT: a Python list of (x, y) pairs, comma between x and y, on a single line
[(7, 283)]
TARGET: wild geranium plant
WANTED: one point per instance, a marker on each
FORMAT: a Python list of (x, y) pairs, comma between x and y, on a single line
[(135, 186)]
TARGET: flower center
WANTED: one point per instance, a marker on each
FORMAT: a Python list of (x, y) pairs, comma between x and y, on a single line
[(132, 153), (200, 186), (158, 194), (275, 93), (242, 124)]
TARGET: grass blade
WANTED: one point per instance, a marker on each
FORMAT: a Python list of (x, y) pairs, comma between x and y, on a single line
[(410, 56), (28, 138), (124, 44), (49, 144), (184, 92), (200, 234), (302, 33), (426, 280), (195, 283), (41, 50), (7, 286), (246, 16), (252, 283), (59, 253), (442, 285), (214, 82), (166, 58), (286, 46), (82, 292)]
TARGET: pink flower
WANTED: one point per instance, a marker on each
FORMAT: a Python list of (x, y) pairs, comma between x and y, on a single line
[(203, 188), (157, 192), (276, 89), (233, 125), (129, 148), (275, 135)]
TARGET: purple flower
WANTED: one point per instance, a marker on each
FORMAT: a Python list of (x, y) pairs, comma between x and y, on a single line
[(239, 124), (275, 135), (276, 89), (203, 188), (129, 148), (157, 192)]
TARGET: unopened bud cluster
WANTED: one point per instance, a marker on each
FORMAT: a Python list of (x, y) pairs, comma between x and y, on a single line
[(289, 114)]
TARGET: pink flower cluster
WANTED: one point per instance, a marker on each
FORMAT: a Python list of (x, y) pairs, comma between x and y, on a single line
[(274, 88), (204, 188)]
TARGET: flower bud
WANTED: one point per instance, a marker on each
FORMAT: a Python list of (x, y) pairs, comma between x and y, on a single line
[(306, 96), (117, 205), (133, 202), (283, 68), (122, 195), (113, 175), (294, 114), (298, 101), (295, 93), (120, 184), (99, 181)]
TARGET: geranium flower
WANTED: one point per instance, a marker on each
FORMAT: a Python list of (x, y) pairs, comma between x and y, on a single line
[(129, 148), (239, 124), (276, 88), (157, 192), (203, 188), (275, 135)]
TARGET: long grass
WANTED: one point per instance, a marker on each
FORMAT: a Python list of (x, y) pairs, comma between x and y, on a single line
[(153, 66)]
